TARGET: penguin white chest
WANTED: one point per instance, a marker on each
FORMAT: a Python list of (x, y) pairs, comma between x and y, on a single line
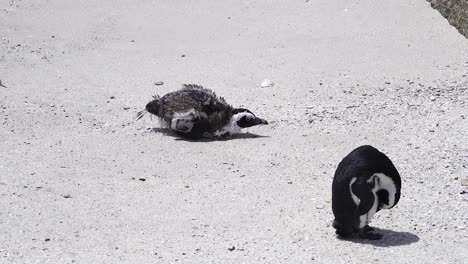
[(366, 218)]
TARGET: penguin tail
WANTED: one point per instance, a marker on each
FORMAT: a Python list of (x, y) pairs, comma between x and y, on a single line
[(140, 114), (152, 107)]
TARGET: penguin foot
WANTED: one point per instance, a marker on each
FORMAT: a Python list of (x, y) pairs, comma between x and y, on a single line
[(341, 230), (369, 235), (367, 229)]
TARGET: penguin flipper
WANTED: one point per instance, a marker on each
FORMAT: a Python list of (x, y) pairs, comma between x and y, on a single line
[(364, 193)]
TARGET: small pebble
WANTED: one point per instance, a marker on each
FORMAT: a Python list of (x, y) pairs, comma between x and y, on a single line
[(158, 83), (267, 83), (112, 97), (126, 108), (231, 248), (67, 196), (47, 239), (464, 182), (433, 98), (142, 179)]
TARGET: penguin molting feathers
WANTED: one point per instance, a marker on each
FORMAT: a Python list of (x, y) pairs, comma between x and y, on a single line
[(195, 112), (365, 182)]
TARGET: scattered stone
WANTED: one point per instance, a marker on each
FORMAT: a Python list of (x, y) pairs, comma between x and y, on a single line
[(66, 196), (266, 83), (1, 84), (126, 108), (231, 248), (187, 186), (142, 179), (158, 83), (433, 98), (47, 239), (52, 36), (183, 56), (464, 182), (112, 97), (387, 82), (289, 182), (320, 83)]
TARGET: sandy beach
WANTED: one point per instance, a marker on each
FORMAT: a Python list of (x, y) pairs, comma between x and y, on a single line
[(82, 182)]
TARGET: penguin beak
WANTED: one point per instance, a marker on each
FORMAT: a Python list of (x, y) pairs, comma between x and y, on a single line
[(259, 121)]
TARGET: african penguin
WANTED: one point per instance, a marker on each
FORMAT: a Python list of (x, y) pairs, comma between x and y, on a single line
[(365, 182), (195, 112)]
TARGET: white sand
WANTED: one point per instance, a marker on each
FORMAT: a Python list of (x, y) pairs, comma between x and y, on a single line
[(62, 134)]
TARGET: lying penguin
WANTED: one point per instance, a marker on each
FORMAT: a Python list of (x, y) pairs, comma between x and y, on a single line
[(195, 112), (365, 182)]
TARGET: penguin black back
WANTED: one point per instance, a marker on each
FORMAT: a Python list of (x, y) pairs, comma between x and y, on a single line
[(365, 182)]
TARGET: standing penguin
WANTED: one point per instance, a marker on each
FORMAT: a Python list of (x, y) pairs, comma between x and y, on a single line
[(195, 112), (365, 182)]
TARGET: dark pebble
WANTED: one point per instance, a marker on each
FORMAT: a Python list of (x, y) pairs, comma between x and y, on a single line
[(67, 196), (231, 248), (142, 179)]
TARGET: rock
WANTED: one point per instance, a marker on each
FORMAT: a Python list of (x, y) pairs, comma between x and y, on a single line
[(142, 179), (231, 248), (267, 83), (433, 98), (464, 182), (158, 83), (66, 196), (455, 12)]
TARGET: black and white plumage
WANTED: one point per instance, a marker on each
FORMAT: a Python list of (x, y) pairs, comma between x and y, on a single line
[(365, 182), (196, 112)]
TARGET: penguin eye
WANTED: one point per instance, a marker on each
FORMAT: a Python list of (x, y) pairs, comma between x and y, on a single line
[(248, 118)]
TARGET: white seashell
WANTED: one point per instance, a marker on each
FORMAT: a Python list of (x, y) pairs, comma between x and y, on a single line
[(267, 83)]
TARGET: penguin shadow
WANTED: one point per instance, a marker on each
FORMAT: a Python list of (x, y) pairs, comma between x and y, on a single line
[(171, 133), (389, 239)]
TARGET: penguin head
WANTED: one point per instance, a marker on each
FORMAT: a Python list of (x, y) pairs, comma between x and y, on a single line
[(383, 199), (245, 118)]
